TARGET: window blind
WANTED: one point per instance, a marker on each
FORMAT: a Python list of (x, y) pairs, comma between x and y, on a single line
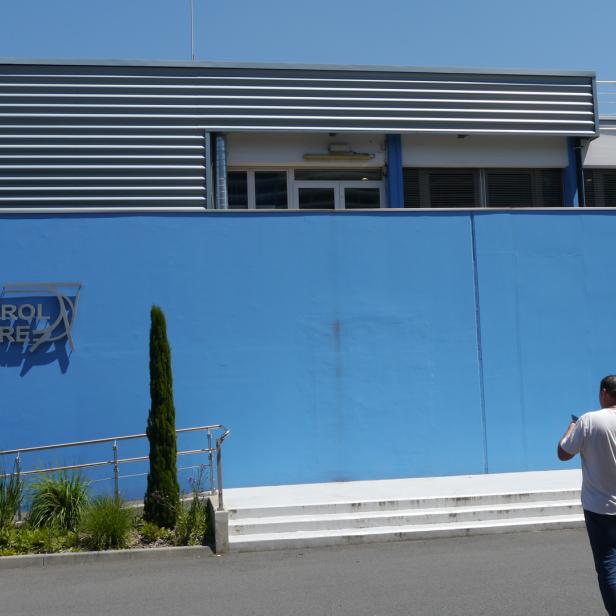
[(600, 187)]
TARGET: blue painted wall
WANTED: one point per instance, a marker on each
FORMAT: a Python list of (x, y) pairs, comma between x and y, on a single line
[(336, 346)]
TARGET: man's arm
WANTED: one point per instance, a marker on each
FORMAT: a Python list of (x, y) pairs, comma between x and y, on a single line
[(562, 454)]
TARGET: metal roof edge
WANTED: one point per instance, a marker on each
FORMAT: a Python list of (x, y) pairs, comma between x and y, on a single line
[(299, 66)]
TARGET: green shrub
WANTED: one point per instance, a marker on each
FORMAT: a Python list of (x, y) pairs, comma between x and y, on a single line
[(11, 494), (106, 524), (150, 533), (26, 540), (161, 501), (58, 502)]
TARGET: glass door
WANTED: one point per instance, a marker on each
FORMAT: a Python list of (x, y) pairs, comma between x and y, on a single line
[(321, 195)]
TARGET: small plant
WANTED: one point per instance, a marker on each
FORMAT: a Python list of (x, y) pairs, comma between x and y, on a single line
[(11, 494), (161, 502), (106, 524), (150, 533), (191, 525), (7, 538), (58, 502), (26, 540)]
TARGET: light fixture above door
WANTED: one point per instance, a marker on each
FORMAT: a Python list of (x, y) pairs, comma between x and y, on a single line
[(339, 151)]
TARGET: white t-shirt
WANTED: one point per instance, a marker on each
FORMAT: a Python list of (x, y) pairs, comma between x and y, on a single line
[(594, 437)]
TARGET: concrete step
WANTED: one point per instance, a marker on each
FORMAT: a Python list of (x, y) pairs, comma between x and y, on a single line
[(403, 504), (397, 518), (340, 513), (332, 537)]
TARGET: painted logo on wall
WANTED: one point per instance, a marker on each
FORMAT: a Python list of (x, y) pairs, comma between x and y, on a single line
[(34, 315)]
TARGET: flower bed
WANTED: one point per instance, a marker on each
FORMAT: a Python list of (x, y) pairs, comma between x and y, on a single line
[(62, 518)]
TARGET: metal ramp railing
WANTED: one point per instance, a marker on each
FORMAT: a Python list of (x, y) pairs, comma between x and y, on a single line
[(216, 434)]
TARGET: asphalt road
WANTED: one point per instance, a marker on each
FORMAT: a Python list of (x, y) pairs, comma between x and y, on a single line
[(541, 573)]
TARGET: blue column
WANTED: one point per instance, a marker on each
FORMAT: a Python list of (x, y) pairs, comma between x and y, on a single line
[(395, 185), (571, 174)]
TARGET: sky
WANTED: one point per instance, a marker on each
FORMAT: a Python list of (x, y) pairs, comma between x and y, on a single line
[(564, 34)]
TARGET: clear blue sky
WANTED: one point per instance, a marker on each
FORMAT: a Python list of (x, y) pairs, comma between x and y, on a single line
[(519, 34)]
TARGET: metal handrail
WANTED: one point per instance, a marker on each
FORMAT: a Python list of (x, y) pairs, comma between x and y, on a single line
[(116, 460), (108, 439)]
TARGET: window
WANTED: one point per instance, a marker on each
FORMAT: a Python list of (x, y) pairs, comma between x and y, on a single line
[(271, 190), (509, 189), (317, 198), (252, 189), (600, 187), (451, 188), (552, 187), (443, 188), (524, 188), (468, 188), (237, 190), (358, 197), (410, 181)]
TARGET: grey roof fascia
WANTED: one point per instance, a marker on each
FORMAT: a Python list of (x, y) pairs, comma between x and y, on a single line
[(313, 67), (595, 104)]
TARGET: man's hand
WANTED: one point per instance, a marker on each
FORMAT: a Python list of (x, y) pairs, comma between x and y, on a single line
[(562, 454)]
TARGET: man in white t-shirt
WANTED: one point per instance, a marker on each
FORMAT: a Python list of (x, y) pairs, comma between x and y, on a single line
[(593, 436)]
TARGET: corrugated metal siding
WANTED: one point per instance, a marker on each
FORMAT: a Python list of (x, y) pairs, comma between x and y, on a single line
[(125, 167), (134, 136), (232, 98)]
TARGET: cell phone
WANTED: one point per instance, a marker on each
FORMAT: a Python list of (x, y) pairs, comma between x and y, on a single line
[(574, 418)]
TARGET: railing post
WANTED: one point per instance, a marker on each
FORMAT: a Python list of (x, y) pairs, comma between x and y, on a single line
[(116, 472), (219, 469), (18, 473), (211, 460)]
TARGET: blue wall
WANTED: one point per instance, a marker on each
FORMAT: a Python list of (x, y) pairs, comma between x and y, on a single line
[(336, 346)]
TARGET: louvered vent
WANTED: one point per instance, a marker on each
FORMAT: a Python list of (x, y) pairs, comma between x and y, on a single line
[(119, 167), (600, 187)]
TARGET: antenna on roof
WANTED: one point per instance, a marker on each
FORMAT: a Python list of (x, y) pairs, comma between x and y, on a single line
[(192, 30)]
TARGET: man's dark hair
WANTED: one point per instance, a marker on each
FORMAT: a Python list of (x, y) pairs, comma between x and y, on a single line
[(608, 383)]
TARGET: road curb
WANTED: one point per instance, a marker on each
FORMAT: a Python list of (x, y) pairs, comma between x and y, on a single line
[(79, 558)]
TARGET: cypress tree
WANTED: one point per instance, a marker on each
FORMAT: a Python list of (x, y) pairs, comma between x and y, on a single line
[(162, 498)]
